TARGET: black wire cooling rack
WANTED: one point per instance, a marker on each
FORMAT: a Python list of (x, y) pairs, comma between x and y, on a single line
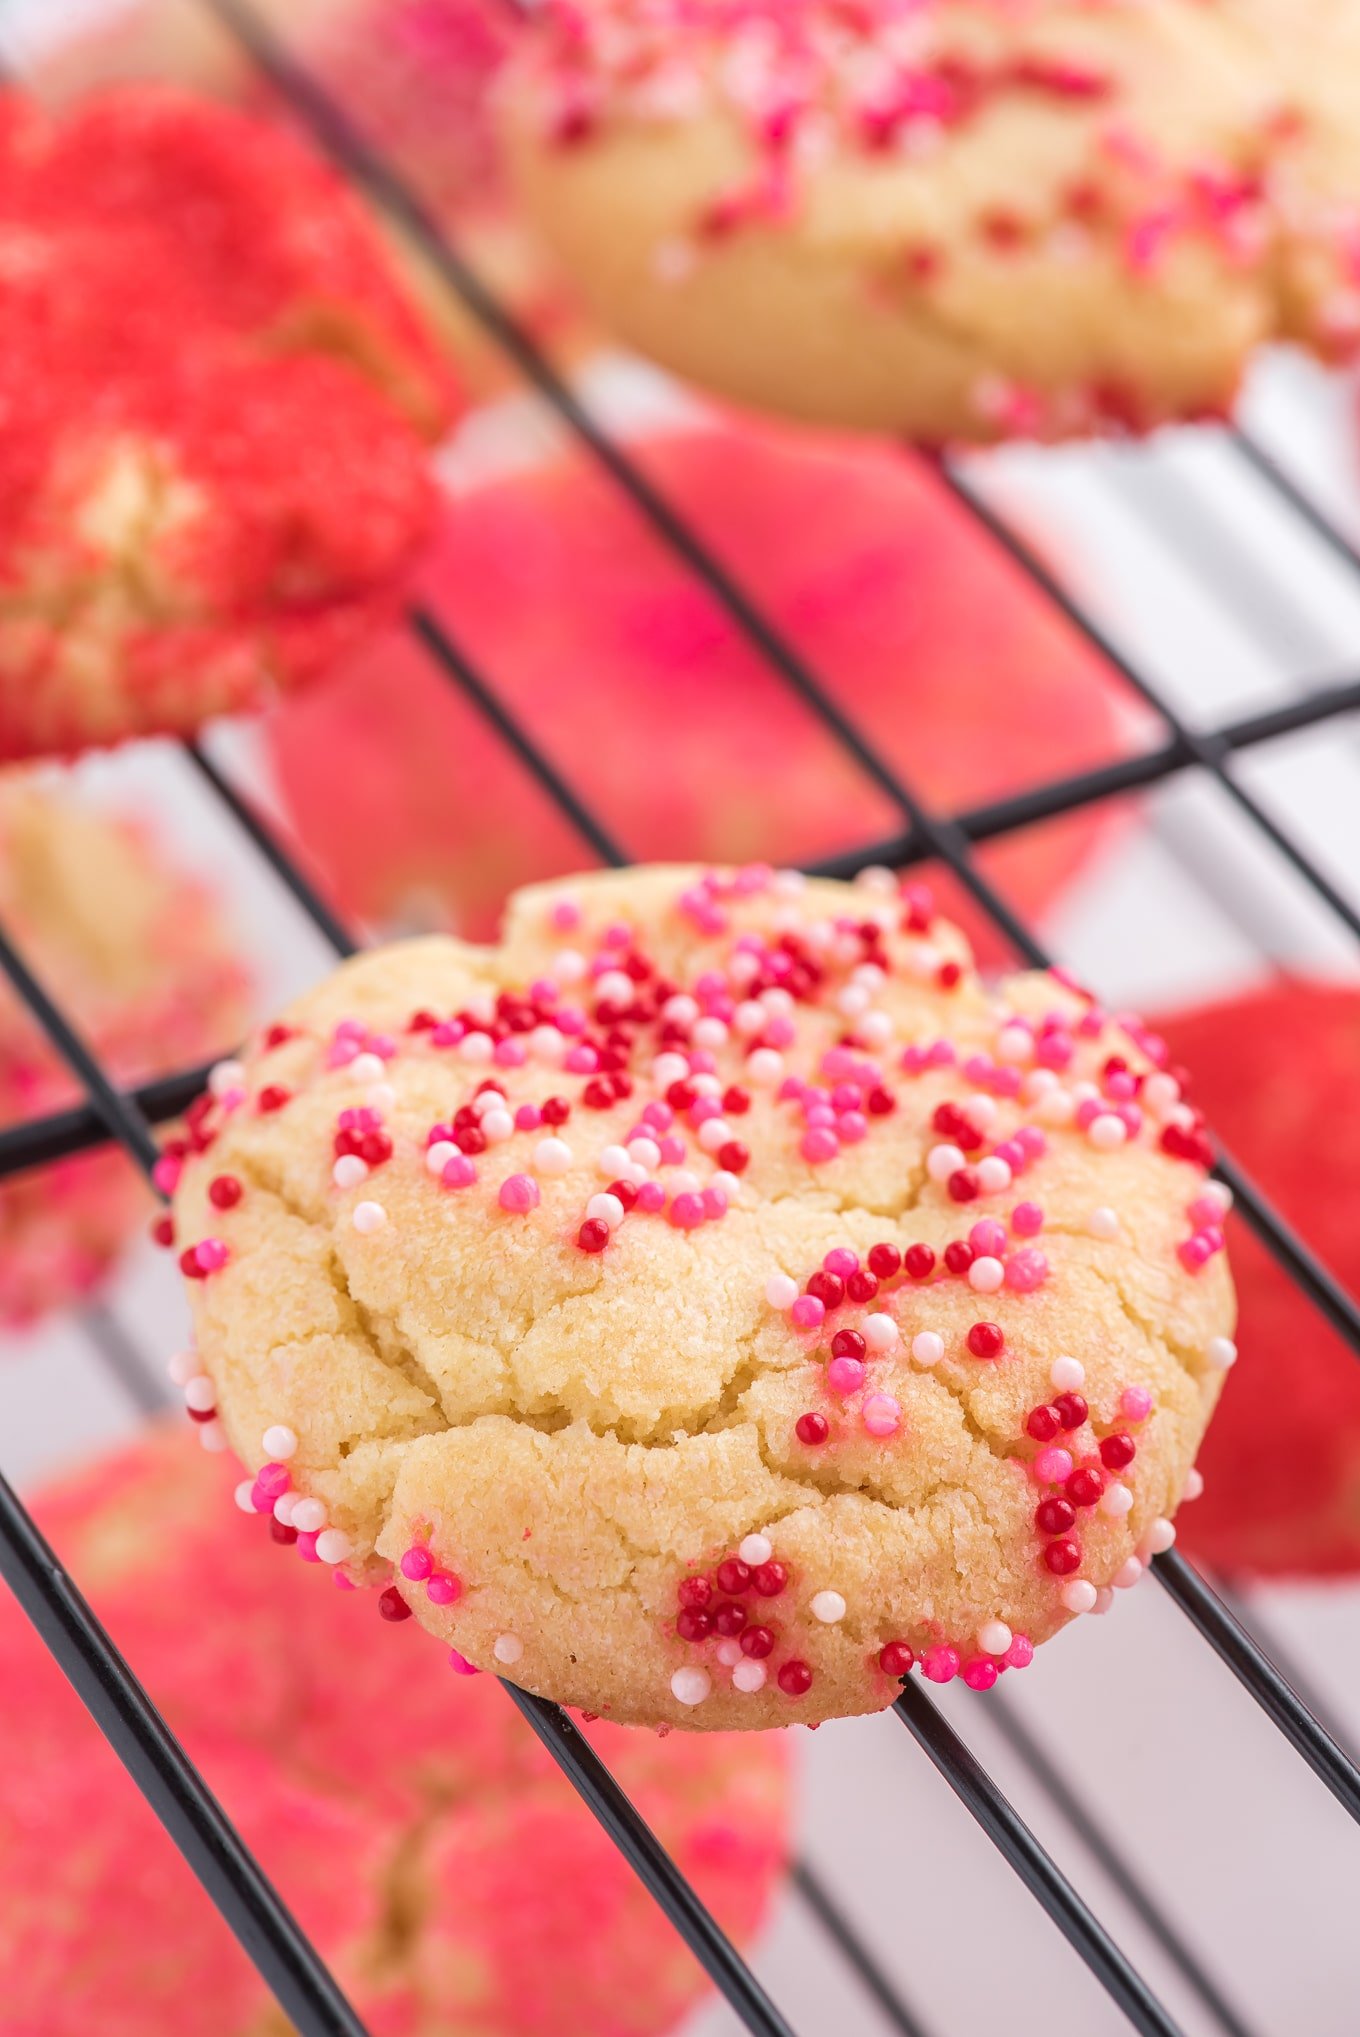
[(178, 1794)]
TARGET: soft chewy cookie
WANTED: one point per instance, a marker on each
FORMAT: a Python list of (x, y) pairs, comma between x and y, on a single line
[(425, 1841), (713, 1297), (958, 671), (1278, 1069), (142, 956), (214, 403), (958, 221)]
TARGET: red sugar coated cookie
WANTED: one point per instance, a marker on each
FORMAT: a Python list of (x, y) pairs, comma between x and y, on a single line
[(648, 699), (424, 1839), (141, 955), (213, 398), (1277, 1073)]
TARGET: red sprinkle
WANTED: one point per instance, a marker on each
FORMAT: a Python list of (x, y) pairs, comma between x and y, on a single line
[(593, 1235), (1054, 1516), (795, 1678), (693, 1623), (986, 1340), (769, 1579), (896, 1659), (1062, 1558), (919, 1261), (1084, 1488), (757, 1641), (225, 1191), (694, 1591), (272, 1097), (733, 1575), (1118, 1450), (885, 1260), (391, 1604), (1043, 1424), (1070, 1409), (812, 1429)]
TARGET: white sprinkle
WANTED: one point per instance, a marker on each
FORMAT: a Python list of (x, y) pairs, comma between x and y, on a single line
[(279, 1442), (710, 1032), (729, 1651), (778, 1002), (381, 1097), (607, 1209), (788, 883), (1107, 1132), (854, 1000), (368, 1217), (728, 1184), (644, 1153), (1067, 1374), (993, 1175), (877, 877), (200, 1394), (680, 1010), (1158, 1538), (780, 1291), (981, 1110), (211, 1436), (491, 1098), (1015, 1044), (923, 959), (475, 1047), (714, 1132), (308, 1516), (366, 1068), (615, 987), (612, 1161), (1221, 1352), (1057, 1108), (1127, 1575), (498, 1126), (1115, 1501), (875, 1028), (828, 1607), (1219, 1192), (552, 1156), (227, 1075), (349, 1170), (1159, 1094), (1104, 1600), (243, 1495), (692, 1686), (333, 1545), (1194, 1484), (569, 965), (1103, 1223), (994, 1637), (438, 1156), (880, 1331), (547, 1045), (986, 1274), (283, 1507), (668, 1068), (942, 1161), (927, 1348), (765, 1067), (755, 1550), (183, 1367), (507, 1648), (682, 1182), (1079, 1596), (1039, 1082), (748, 1676), (749, 1018), (705, 1085)]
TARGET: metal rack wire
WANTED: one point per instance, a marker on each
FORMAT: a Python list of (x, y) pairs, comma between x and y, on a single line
[(253, 1909)]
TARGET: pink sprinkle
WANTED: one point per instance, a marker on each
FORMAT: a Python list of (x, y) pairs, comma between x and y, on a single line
[(851, 1127), (1032, 1140), (1120, 1088), (443, 1589), (807, 1312), (381, 1045), (846, 1095), (565, 916), (881, 1414), (306, 1546), (528, 1118), (701, 1062), (417, 1562), (459, 1172), (211, 1254), (519, 1194), (1026, 1270), (819, 1116), (341, 1582), (686, 1212), (1027, 1219), (1193, 1253), (1204, 1212), (780, 1031), (1020, 1653), (581, 1060), (715, 1203), (1054, 1051), (460, 1665), (940, 1665), (988, 1237), (1014, 1155), (941, 1054), (167, 1171), (569, 1019), (651, 1197), (703, 1108), (509, 1054), (672, 1150), (843, 1375), (660, 1115), (273, 1479), (1136, 1403), (447, 1033), (841, 1261), (980, 1673), (1053, 1466), (819, 1145), (1004, 1081)]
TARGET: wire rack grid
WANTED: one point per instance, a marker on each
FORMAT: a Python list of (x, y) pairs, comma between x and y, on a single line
[(121, 1708)]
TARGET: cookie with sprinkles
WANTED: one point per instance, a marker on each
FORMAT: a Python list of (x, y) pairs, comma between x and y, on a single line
[(956, 219), (215, 404), (713, 1300)]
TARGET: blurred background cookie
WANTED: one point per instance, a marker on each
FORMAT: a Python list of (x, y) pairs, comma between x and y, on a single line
[(443, 1866), (142, 956)]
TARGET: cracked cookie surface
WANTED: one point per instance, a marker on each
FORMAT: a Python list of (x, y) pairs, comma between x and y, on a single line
[(713, 1297)]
